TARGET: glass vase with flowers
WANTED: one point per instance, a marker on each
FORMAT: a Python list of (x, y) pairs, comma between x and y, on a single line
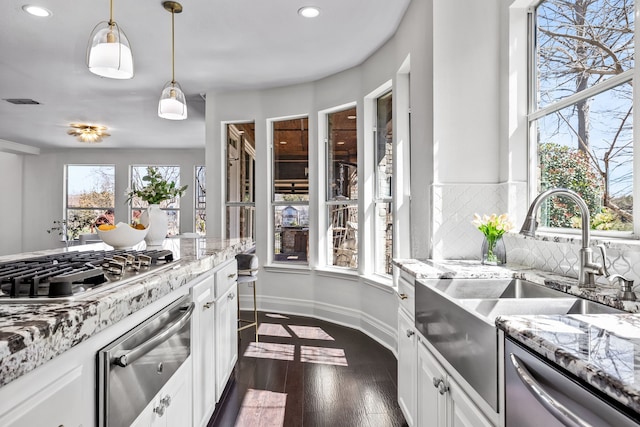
[(493, 227)]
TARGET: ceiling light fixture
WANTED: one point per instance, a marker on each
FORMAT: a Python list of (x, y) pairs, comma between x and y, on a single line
[(172, 105), (109, 53), (38, 11), (88, 133), (309, 11)]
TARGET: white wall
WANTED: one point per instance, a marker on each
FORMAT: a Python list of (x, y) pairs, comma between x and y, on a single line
[(350, 300), (43, 188), (11, 191)]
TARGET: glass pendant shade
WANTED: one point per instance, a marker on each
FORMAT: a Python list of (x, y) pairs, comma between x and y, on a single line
[(109, 53), (172, 105)]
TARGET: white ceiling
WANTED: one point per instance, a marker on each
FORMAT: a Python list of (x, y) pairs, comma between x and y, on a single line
[(220, 45)]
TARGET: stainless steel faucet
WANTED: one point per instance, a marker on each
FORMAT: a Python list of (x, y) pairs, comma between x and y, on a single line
[(588, 268)]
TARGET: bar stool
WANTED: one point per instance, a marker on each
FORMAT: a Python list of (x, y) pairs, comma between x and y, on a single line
[(248, 273)]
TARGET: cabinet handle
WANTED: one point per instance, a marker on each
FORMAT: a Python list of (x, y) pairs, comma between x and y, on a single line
[(436, 382), (159, 410), (231, 276), (207, 305), (410, 333), (442, 388), (231, 295), (555, 408), (166, 401), (403, 296)]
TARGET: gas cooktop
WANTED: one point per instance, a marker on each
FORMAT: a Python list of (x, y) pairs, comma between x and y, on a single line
[(68, 275)]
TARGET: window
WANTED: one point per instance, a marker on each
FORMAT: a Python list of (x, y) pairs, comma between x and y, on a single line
[(200, 199), (581, 117), (171, 206), (342, 188), (89, 198), (241, 161), (383, 210), (290, 190)]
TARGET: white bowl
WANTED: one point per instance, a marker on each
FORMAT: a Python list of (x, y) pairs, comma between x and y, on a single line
[(123, 236)]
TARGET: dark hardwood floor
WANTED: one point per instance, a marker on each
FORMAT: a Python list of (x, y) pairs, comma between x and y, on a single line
[(307, 372)]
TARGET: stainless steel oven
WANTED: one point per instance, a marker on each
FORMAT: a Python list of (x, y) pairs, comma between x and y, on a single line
[(132, 369)]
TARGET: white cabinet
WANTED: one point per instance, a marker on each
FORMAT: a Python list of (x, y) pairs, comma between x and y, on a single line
[(442, 402), (203, 351), (172, 405), (214, 338), (226, 325), (407, 357), (45, 407)]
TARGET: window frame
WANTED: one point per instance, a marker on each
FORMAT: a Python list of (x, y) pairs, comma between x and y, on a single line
[(274, 204), (534, 114), (66, 207), (248, 205), (325, 189)]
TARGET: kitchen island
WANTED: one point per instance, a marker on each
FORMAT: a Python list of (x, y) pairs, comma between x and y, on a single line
[(599, 350), (34, 337)]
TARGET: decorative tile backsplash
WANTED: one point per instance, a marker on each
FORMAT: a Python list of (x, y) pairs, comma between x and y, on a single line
[(454, 237)]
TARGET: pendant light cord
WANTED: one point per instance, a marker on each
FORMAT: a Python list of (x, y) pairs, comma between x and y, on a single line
[(173, 48), (110, 13)]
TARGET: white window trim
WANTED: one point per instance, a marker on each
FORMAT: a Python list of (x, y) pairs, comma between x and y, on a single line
[(270, 194), (521, 98)]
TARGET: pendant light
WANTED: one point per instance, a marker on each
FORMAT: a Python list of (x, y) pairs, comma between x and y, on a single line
[(109, 53), (172, 105)]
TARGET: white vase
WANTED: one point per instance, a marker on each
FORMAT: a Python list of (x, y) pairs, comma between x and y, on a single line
[(156, 220)]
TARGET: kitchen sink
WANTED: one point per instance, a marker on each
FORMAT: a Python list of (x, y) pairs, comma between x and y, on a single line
[(495, 288), (489, 309), (457, 316)]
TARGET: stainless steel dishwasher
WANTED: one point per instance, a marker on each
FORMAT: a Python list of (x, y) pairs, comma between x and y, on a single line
[(132, 369), (538, 394)]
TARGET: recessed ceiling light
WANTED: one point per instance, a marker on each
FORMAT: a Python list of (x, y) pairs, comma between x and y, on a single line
[(36, 11), (351, 117), (283, 142), (309, 11), (340, 143)]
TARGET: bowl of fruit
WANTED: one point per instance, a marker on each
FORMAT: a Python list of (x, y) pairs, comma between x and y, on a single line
[(121, 235)]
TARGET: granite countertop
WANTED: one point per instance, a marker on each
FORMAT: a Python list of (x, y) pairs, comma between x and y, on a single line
[(600, 349), (32, 334)]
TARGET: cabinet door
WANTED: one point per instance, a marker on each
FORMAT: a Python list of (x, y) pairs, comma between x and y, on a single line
[(432, 405), (44, 407), (462, 410), (226, 337), (172, 405), (407, 367), (202, 349)]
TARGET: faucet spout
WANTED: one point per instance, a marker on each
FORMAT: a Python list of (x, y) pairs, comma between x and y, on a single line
[(588, 268)]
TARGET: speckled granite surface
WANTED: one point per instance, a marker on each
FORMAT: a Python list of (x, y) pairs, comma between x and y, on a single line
[(32, 334), (601, 349)]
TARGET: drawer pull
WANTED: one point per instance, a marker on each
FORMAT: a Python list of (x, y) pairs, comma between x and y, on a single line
[(207, 305), (403, 296), (410, 333), (231, 276)]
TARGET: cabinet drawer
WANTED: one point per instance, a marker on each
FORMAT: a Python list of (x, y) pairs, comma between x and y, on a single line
[(226, 276), (406, 295)]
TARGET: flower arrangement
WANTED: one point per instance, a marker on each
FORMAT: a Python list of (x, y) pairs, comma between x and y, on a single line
[(493, 227), (157, 190)]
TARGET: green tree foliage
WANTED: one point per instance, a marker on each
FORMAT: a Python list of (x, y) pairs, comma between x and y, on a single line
[(562, 166)]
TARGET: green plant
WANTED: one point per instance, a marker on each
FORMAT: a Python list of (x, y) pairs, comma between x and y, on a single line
[(493, 227), (71, 227), (157, 190), (565, 167)]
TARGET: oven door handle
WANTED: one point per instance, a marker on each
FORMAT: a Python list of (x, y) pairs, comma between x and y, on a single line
[(555, 408), (130, 356)]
